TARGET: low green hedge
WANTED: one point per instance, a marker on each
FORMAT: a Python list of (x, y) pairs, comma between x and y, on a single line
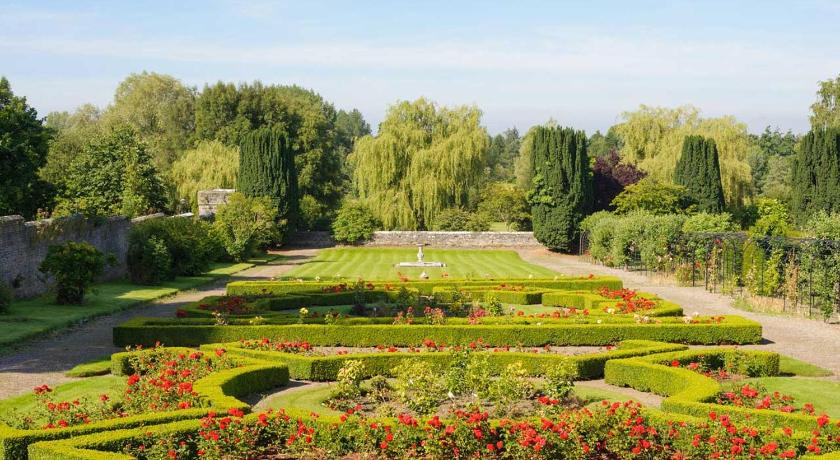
[(732, 330), (694, 394), (273, 288), (325, 368), (219, 391)]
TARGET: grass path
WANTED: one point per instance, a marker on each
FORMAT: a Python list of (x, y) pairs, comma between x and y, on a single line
[(379, 264)]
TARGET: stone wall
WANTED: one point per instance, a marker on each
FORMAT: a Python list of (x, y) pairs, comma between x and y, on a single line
[(436, 239), (23, 245), (209, 200)]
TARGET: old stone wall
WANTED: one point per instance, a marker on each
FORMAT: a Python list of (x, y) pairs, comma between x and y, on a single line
[(209, 200), (23, 245), (436, 239)]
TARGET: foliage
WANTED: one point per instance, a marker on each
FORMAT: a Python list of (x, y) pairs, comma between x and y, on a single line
[(772, 219), (349, 378), (504, 202), (816, 173), (512, 385), (601, 145), (698, 170), (455, 219), (267, 169), (524, 164), (653, 136), (227, 113), (162, 248), (771, 161), (23, 150), (419, 386), (208, 166), (160, 109), (245, 223), (562, 192), (824, 225), (6, 297), (72, 131), (112, 175), (703, 222), (825, 112), (610, 177), (654, 197), (353, 223), (74, 266), (559, 379), (501, 154), (424, 159)]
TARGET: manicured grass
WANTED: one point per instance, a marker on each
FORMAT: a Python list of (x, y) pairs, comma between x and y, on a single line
[(98, 367), (89, 388), (823, 394), (33, 317), (379, 264), (793, 366)]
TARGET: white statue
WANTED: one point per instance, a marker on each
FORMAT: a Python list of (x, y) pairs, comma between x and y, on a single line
[(420, 254)]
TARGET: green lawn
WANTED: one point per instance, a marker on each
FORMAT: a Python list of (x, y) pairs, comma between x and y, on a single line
[(823, 394), (378, 264), (792, 366), (32, 317)]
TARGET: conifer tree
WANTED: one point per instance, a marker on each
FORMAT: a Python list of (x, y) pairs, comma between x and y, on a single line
[(698, 170), (267, 168), (816, 173), (562, 192)]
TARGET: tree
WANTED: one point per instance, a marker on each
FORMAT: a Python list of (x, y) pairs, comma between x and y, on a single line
[(524, 163), (160, 109), (245, 223), (353, 223), (226, 112), (209, 165), (72, 131), (600, 145), (816, 173), (505, 203), (267, 168), (562, 192), (610, 177), (424, 159), (770, 163), (825, 112), (349, 127), (655, 197), (23, 150), (501, 153), (113, 174), (652, 140), (698, 170)]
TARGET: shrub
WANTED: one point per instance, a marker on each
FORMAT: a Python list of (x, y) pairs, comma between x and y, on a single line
[(559, 379), (349, 378), (6, 296), (419, 386), (452, 220), (74, 266), (353, 223), (161, 249), (655, 197), (243, 224)]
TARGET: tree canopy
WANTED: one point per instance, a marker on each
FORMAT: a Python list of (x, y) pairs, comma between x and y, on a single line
[(825, 112), (209, 165), (652, 139), (698, 170), (267, 169), (24, 143), (424, 159), (816, 173)]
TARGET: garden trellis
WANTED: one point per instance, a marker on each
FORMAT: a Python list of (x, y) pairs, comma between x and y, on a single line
[(802, 273)]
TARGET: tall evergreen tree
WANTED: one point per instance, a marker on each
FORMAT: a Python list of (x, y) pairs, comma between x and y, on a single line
[(816, 173), (267, 168), (562, 192), (698, 170)]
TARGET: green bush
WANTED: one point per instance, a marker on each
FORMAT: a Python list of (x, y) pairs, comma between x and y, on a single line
[(6, 297), (243, 224), (353, 223), (74, 266), (161, 249), (457, 220)]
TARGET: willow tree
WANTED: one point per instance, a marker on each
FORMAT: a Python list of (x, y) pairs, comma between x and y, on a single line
[(424, 159), (653, 136), (209, 165)]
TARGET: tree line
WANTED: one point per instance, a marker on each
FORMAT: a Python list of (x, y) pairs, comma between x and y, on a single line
[(427, 166)]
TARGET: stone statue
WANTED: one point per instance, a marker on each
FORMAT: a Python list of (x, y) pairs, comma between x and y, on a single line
[(420, 254)]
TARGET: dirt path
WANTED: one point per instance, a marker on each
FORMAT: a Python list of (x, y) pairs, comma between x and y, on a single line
[(46, 359), (809, 340)]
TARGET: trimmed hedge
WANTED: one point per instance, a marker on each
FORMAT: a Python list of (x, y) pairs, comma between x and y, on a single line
[(732, 330), (694, 394), (325, 368), (425, 287), (218, 390)]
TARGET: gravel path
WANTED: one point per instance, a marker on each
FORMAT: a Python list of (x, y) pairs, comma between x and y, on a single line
[(809, 340), (44, 360)]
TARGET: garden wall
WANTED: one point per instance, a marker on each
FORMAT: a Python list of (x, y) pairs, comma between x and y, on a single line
[(436, 239), (23, 245)]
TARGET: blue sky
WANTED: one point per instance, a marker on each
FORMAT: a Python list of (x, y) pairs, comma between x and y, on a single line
[(582, 63)]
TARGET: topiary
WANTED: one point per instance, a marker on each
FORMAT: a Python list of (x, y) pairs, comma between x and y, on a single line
[(74, 266), (353, 223)]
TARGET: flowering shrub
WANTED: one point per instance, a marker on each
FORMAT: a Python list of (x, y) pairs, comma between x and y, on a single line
[(609, 431), (233, 305), (629, 300), (51, 413), (756, 396), (284, 346)]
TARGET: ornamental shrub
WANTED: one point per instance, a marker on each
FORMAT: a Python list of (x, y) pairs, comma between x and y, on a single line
[(149, 261), (74, 266), (245, 223), (353, 223), (6, 297), (458, 220), (161, 249)]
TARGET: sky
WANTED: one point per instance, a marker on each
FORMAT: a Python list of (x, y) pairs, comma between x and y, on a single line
[(522, 62)]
